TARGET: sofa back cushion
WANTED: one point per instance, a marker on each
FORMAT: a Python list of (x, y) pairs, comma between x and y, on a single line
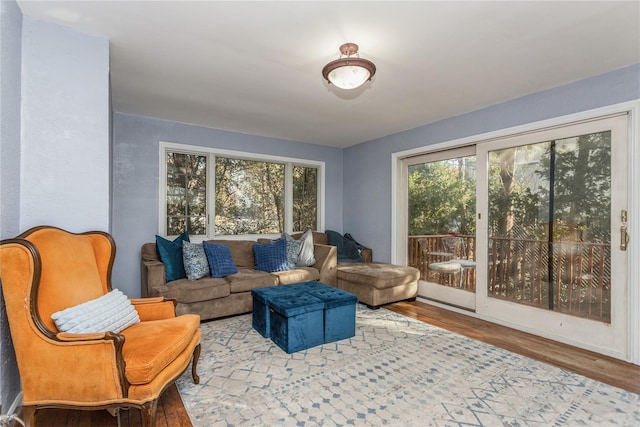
[(319, 238), (241, 251)]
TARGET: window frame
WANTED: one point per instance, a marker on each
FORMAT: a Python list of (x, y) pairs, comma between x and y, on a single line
[(211, 154)]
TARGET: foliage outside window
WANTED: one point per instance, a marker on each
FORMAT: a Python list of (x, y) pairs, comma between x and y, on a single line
[(244, 196), (305, 198), (442, 197), (249, 197), (579, 207), (186, 194), (551, 207)]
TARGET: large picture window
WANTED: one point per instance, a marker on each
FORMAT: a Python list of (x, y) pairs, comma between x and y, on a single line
[(221, 193), (249, 197)]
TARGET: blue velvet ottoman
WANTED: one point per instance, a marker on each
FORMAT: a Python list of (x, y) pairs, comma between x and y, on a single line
[(307, 286), (339, 312), (261, 297), (296, 321), (260, 311)]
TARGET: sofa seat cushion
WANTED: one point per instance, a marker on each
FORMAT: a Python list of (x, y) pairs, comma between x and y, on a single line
[(247, 278), (146, 356), (377, 275), (187, 291), (299, 274)]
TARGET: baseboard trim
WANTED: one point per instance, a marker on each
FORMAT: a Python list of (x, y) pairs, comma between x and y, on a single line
[(446, 306)]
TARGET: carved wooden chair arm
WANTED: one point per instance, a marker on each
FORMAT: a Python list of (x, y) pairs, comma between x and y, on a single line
[(155, 308), (71, 337)]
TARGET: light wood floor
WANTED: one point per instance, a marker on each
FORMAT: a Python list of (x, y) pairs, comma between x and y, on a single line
[(592, 365), (171, 411)]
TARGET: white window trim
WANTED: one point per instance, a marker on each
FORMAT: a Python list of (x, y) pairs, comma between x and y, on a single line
[(211, 153)]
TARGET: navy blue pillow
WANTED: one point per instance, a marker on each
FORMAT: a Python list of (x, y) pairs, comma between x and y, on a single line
[(272, 256), (171, 256), (220, 260)]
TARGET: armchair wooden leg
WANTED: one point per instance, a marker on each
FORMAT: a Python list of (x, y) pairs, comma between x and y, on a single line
[(194, 364), (29, 416), (148, 412)]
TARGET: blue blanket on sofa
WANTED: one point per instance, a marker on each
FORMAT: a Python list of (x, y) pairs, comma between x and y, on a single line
[(348, 249)]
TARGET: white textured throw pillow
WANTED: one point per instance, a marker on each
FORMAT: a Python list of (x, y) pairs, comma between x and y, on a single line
[(110, 312)]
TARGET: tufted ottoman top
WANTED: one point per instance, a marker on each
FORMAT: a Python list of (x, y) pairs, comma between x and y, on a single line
[(333, 297), (377, 274), (295, 304), (265, 294)]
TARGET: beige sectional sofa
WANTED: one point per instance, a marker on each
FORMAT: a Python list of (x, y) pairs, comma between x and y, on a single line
[(376, 283), (219, 297)]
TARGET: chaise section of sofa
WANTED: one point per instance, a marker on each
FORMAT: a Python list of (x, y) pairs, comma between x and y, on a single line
[(212, 298)]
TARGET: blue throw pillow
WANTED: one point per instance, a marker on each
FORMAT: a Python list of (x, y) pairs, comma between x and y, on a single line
[(271, 257), (171, 256), (220, 260)]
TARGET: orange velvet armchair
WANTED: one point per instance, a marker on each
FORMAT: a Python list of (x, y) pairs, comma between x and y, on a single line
[(46, 270)]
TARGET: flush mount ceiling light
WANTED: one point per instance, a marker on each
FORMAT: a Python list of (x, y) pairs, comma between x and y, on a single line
[(349, 72)]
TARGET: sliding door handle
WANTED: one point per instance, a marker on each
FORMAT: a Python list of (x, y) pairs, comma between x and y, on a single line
[(624, 238)]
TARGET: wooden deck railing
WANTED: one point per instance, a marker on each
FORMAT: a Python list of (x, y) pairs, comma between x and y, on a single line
[(579, 279), (418, 259)]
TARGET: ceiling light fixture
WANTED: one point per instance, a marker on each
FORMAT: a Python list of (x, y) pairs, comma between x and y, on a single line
[(349, 72)]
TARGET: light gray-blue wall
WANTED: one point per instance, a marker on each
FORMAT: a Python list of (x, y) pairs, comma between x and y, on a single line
[(65, 128), (10, 64), (55, 139), (136, 174), (367, 173)]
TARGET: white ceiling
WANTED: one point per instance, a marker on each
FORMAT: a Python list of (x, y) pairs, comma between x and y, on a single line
[(255, 67)]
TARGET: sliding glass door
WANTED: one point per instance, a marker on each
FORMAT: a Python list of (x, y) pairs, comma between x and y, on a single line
[(441, 189), (552, 208), (528, 230)]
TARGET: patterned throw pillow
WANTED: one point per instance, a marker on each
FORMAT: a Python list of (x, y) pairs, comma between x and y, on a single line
[(110, 312), (220, 261), (306, 257), (196, 265), (171, 256), (271, 257), (293, 250)]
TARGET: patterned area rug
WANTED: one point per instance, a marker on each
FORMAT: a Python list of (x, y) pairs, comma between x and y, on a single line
[(396, 371)]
